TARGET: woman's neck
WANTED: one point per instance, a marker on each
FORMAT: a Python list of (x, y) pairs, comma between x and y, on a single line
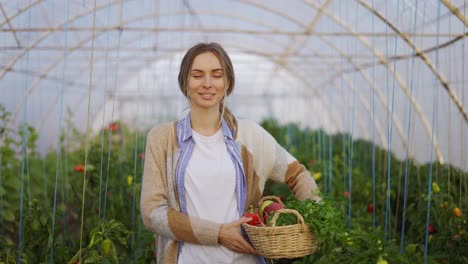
[(205, 122)]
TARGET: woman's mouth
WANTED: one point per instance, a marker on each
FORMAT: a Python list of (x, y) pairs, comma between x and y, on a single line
[(207, 96)]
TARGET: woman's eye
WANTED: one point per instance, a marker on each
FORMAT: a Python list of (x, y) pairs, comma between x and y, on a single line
[(196, 76)]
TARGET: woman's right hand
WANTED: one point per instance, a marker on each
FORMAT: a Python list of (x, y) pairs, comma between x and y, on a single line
[(230, 236)]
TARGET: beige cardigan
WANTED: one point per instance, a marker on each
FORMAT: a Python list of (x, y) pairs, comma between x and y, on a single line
[(263, 158)]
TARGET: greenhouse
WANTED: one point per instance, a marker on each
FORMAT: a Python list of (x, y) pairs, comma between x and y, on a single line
[(350, 131)]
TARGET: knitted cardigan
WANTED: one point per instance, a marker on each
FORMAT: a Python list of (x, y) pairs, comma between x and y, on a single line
[(262, 157)]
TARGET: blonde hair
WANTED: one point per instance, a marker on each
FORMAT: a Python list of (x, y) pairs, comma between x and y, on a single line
[(228, 70)]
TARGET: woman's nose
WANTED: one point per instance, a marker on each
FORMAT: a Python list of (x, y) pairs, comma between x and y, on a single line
[(207, 82)]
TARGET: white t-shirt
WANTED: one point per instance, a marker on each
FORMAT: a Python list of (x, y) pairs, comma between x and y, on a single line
[(210, 191)]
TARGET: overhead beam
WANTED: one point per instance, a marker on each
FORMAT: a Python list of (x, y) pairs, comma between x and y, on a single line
[(225, 31)]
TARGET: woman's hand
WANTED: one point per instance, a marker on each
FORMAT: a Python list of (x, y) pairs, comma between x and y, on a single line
[(230, 236)]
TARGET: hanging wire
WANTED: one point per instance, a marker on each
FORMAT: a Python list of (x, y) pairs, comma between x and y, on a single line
[(87, 130), (350, 169), (103, 115), (405, 194), (1, 196), (24, 146), (322, 150), (434, 109), (344, 137), (59, 134), (390, 124), (330, 153), (135, 156), (112, 118), (462, 158), (156, 8), (373, 121)]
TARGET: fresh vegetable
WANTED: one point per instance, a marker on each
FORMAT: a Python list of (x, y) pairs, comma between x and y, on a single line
[(262, 206), (256, 219), (435, 187), (381, 261), (114, 127), (271, 208), (431, 229), (324, 218), (129, 180), (79, 168), (317, 176), (370, 208), (106, 246), (457, 212)]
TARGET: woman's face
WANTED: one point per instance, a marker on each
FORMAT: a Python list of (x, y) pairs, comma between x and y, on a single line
[(206, 82)]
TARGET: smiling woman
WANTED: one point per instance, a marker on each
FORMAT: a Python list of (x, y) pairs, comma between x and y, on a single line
[(201, 171), (206, 88), (206, 78)]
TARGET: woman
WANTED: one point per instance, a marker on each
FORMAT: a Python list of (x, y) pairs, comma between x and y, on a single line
[(202, 172)]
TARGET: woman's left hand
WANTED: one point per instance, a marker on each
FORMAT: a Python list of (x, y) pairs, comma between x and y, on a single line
[(230, 236)]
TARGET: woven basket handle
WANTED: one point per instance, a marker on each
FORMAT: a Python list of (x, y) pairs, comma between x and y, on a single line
[(270, 197), (300, 219)]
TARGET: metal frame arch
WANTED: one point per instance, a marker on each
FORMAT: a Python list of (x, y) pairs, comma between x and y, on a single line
[(76, 47), (144, 17), (19, 12), (403, 85), (47, 33), (365, 104), (423, 56), (322, 10), (242, 49), (455, 11), (366, 77), (93, 9)]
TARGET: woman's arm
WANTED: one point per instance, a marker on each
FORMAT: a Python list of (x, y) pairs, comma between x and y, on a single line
[(157, 214), (285, 168)]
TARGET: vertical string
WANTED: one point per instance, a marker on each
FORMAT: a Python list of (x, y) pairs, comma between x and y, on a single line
[(135, 161), (112, 118), (434, 109), (87, 129), (405, 192), (1, 195), (351, 150), (390, 126), (344, 125), (59, 134), (330, 152), (103, 116), (462, 132), (373, 121), (23, 146)]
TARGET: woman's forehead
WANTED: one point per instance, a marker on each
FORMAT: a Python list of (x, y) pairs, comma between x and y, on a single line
[(206, 61)]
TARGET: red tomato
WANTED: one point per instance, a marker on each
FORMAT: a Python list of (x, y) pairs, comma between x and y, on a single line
[(370, 208), (346, 194), (431, 229), (114, 127), (256, 221), (79, 168)]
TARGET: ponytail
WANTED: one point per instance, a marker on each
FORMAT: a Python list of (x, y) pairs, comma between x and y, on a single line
[(228, 116)]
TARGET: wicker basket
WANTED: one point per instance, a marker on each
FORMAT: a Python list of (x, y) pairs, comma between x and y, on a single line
[(275, 242)]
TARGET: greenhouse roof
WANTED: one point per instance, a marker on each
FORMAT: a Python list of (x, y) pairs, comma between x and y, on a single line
[(388, 71)]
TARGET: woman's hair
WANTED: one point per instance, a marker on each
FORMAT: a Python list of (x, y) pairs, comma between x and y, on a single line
[(228, 72)]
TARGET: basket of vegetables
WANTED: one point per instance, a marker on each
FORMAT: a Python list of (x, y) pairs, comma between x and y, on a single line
[(274, 241)]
